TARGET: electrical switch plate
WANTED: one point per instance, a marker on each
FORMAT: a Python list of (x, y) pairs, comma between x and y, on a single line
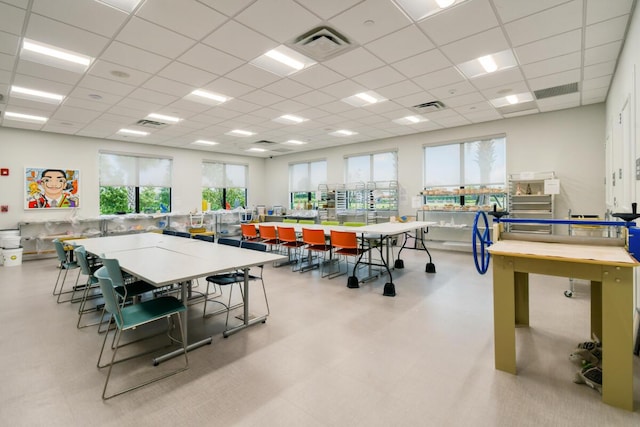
[(4, 208), (4, 172)]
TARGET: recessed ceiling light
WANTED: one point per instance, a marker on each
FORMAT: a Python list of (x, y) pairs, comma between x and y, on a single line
[(295, 142), (488, 64), (24, 117), (512, 99), (163, 117), (122, 5), (258, 150), (445, 3), (204, 142), (240, 132), (364, 98), (133, 132), (343, 132), (289, 118), (206, 97), (36, 95), (420, 9), (282, 61), (410, 120), (53, 56), (120, 74)]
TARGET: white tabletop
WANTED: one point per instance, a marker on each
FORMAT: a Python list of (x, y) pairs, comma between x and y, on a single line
[(381, 229)]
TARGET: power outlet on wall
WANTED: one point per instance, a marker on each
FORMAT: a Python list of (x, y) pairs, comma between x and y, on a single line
[(4, 208)]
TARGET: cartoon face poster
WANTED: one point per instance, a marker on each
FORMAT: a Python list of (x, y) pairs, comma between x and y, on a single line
[(51, 188)]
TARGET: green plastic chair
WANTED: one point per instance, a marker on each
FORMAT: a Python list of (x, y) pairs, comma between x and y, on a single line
[(92, 283), (306, 221), (290, 221), (132, 317), (330, 223), (354, 224), (65, 265)]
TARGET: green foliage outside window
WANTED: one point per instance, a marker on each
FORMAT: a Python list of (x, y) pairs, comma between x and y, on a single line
[(114, 199), (218, 197), (123, 199)]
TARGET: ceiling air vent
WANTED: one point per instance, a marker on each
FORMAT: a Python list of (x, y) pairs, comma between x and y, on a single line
[(151, 123), (556, 91), (321, 43), (429, 107)]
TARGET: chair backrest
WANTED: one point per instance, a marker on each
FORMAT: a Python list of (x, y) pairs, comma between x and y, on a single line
[(81, 256), (249, 231), (204, 238), (268, 232), (169, 232), (344, 239), (354, 224), (287, 234), (306, 221), (183, 234), (290, 220), (108, 293), (62, 256), (330, 223), (113, 268), (313, 236), (255, 246), (229, 242)]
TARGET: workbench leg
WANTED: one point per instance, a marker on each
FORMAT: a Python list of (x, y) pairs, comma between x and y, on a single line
[(504, 314), (617, 337), (521, 298), (596, 309)]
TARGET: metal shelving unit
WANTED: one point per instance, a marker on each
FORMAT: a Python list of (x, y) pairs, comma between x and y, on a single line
[(527, 199)]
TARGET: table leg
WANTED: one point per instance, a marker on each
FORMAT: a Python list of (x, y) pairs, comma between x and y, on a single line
[(504, 314), (521, 289), (246, 321)]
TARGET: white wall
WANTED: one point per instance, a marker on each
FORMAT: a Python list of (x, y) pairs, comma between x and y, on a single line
[(24, 148), (569, 142)]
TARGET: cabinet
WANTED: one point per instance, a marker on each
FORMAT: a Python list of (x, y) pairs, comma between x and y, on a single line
[(527, 199)]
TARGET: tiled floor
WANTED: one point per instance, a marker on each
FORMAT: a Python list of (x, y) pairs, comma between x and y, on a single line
[(327, 356)]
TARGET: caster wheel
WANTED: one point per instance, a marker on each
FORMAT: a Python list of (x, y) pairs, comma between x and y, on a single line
[(568, 294), (399, 263), (352, 282)]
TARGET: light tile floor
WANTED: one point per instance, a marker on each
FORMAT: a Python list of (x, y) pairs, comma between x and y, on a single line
[(327, 356)]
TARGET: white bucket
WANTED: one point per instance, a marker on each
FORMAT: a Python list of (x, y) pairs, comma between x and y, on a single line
[(10, 242), (12, 257)]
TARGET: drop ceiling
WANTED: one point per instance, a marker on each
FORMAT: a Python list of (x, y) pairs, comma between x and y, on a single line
[(150, 60)]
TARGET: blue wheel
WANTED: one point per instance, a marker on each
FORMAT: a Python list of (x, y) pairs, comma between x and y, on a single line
[(481, 242)]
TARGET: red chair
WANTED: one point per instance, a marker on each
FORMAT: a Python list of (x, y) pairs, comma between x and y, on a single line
[(314, 240), (345, 243), (249, 232), (289, 239)]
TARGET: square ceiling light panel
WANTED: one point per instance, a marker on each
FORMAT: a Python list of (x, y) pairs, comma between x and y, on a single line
[(410, 120), (36, 95), (364, 99), (206, 97), (19, 117), (282, 61), (488, 64), (127, 6), (420, 9), (512, 99), (53, 56)]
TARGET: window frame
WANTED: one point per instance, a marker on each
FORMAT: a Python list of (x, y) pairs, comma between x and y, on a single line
[(225, 180)]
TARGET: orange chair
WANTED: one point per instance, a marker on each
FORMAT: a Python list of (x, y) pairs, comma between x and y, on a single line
[(315, 242), (269, 236), (249, 232), (289, 239), (345, 243)]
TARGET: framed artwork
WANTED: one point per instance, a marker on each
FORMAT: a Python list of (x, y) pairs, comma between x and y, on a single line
[(51, 188)]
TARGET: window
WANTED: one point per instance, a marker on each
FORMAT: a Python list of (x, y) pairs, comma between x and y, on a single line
[(134, 184), (476, 166), (224, 185), (372, 167), (304, 179)]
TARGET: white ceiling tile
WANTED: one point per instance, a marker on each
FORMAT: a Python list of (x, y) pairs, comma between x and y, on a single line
[(30, 105), (337, 107), (227, 87), (503, 90), (41, 84), (474, 107), (186, 17), (288, 106), (136, 108), (210, 59), (551, 47), (483, 116), (287, 19), (106, 85), (327, 8), (107, 99), (423, 63), (545, 24), (344, 89), (186, 74), (597, 83), (594, 94), (24, 4), (58, 127), (454, 120), (172, 87), (382, 76), (314, 98), (466, 19), (453, 90), (439, 78), (240, 41), (253, 76), (606, 31), (22, 125), (469, 98), (559, 102), (134, 58), (399, 89), (11, 19), (154, 38), (86, 103), (353, 62), (9, 43), (416, 98), (152, 96), (554, 65), (64, 36), (499, 78), (75, 115), (370, 20), (105, 69), (48, 73), (602, 53), (486, 43), (399, 45), (5, 78), (599, 70), (598, 10), (287, 88), (88, 15), (317, 76), (183, 107), (262, 97), (553, 80), (510, 10), (7, 62), (229, 8)]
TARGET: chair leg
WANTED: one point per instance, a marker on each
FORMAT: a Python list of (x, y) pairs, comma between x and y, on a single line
[(61, 292)]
